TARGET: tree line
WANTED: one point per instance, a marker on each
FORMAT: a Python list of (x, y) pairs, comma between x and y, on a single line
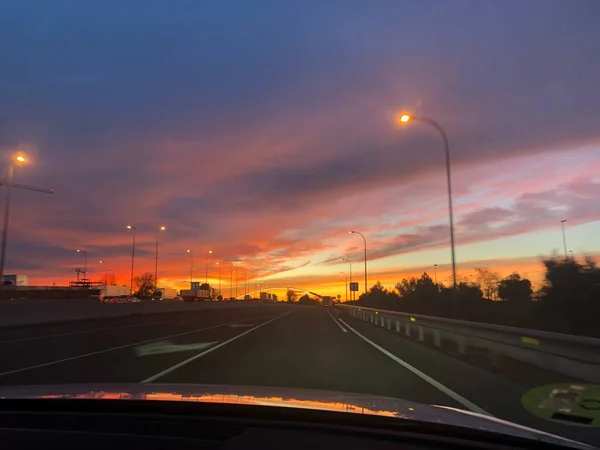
[(568, 301)]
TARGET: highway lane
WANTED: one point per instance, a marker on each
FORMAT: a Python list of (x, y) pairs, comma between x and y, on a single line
[(271, 345)]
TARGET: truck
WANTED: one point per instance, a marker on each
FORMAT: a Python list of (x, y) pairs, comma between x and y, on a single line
[(327, 300), (204, 293), (110, 291), (15, 280), (164, 293)]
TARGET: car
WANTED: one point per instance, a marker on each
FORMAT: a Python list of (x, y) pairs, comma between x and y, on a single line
[(107, 299), (133, 299), (178, 298)]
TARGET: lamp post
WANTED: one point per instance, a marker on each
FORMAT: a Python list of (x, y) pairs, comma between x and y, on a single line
[(206, 267), (572, 257), (562, 225), (18, 159), (231, 281), (191, 266), (364, 239), (156, 259), (344, 273), (132, 228), (84, 262), (405, 118), (350, 264), (105, 272), (435, 273), (220, 279)]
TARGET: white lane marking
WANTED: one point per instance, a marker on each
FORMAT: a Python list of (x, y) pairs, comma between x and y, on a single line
[(85, 355), (242, 325), (449, 392), (206, 352), (336, 322), (166, 346), (70, 333)]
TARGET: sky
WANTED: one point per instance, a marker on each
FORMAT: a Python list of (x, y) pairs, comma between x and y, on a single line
[(264, 131)]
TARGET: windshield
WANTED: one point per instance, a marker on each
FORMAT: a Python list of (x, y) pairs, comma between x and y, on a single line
[(386, 198)]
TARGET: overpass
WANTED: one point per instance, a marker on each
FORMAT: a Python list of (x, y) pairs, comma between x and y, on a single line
[(295, 289)]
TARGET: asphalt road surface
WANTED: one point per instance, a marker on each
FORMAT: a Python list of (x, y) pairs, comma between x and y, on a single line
[(270, 345)]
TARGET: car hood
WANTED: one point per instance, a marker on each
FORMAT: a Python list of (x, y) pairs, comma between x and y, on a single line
[(291, 398)]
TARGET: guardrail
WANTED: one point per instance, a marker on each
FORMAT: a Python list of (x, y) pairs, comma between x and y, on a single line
[(574, 356)]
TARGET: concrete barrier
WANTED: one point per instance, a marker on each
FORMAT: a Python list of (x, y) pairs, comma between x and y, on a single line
[(35, 311)]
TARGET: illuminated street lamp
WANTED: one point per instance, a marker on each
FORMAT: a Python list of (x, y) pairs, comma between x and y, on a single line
[(105, 272), (364, 239), (132, 228), (406, 118), (348, 261), (19, 158), (84, 262), (206, 268), (162, 228)]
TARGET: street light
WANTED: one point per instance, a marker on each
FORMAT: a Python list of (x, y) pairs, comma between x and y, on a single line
[(132, 228), (562, 225), (346, 275), (206, 268), (105, 272), (220, 279), (191, 266), (364, 239), (156, 259), (405, 118), (572, 257), (348, 261), (19, 158), (435, 273), (231, 281), (84, 262)]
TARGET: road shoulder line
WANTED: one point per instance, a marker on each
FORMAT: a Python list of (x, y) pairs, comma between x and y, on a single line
[(206, 352), (446, 390), (336, 322)]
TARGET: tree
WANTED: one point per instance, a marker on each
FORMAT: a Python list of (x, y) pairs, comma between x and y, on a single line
[(488, 280), (406, 287), (144, 284), (570, 283), (514, 289), (306, 300), (291, 296)]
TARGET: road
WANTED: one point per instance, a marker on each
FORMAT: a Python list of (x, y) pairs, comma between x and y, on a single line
[(270, 345)]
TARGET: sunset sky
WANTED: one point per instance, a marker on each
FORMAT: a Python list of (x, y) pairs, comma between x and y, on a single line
[(264, 131)]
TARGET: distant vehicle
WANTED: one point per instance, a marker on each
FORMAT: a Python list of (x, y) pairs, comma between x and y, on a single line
[(133, 299), (15, 280), (204, 293), (164, 294), (110, 291), (327, 300), (178, 298), (108, 299)]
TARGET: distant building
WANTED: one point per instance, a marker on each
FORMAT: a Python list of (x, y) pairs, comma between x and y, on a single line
[(15, 280)]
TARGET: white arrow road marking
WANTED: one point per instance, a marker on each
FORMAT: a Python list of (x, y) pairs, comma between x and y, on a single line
[(158, 348), (242, 325), (207, 351)]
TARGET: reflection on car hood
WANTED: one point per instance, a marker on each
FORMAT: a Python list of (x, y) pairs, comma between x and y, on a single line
[(291, 398)]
